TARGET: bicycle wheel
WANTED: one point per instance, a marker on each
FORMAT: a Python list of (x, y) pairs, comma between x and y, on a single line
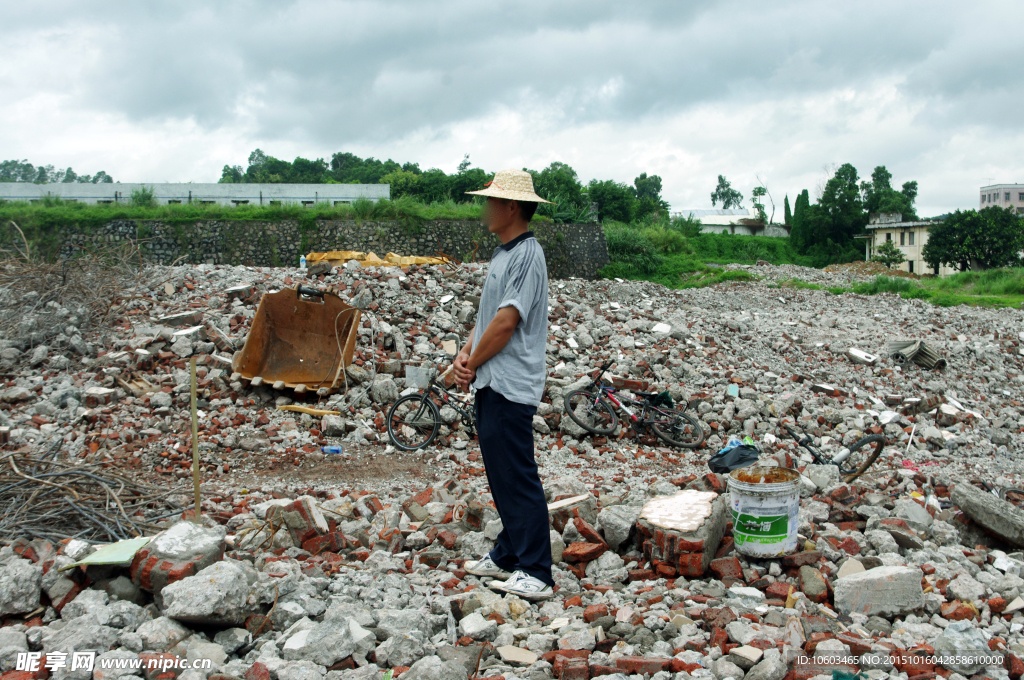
[(413, 422), (678, 428), (591, 412), (861, 458)]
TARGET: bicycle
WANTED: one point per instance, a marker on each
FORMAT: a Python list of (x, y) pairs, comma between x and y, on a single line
[(590, 409), (851, 462), (414, 420)]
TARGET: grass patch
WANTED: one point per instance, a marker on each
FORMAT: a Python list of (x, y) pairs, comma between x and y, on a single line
[(992, 288)]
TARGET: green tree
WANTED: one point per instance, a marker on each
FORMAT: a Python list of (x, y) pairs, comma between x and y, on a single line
[(839, 214), (879, 196), (403, 183), (889, 255), (559, 182), (972, 239), (23, 171), (232, 174), (797, 233), (615, 201), (757, 195), (648, 195), (787, 213), (730, 198)]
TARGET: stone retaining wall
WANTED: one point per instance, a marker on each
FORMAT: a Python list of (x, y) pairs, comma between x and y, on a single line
[(571, 249)]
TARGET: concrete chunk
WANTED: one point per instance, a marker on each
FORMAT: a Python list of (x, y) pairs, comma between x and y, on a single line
[(19, 587), (994, 514), (887, 591), (216, 595)]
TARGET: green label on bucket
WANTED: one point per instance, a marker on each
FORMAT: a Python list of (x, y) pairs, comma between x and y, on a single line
[(759, 529)]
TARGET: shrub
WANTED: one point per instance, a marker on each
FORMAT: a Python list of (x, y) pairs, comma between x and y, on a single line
[(143, 197), (630, 247), (667, 241)]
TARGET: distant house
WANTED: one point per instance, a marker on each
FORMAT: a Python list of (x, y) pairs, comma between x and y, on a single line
[(221, 194), (733, 221), (1010, 196), (909, 238)]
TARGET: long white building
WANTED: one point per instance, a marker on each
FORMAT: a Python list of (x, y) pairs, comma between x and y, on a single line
[(221, 194)]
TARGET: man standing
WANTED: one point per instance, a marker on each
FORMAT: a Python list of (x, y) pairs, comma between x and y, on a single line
[(504, 360)]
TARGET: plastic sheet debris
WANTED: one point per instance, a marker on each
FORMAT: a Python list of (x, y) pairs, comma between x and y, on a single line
[(338, 258), (858, 356), (121, 552), (305, 409), (905, 351), (732, 458)]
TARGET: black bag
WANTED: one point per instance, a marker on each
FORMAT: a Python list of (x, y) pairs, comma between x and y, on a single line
[(663, 399), (728, 460)]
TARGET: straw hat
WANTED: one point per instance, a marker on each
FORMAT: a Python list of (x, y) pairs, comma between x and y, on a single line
[(516, 185)]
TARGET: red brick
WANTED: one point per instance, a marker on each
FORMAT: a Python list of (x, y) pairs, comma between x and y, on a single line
[(857, 644), (849, 546), (152, 669), (575, 669), (423, 497), (719, 638), (996, 605), (596, 670), (594, 612), (956, 611), (895, 522), (332, 542), (810, 557), (641, 664), (640, 575), (583, 552), (778, 590), (727, 568), (691, 564), (677, 666), (257, 671), (1014, 666), (915, 661), (448, 539), (717, 618), (588, 532)]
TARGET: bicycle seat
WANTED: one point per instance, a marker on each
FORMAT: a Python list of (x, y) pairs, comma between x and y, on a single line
[(646, 395)]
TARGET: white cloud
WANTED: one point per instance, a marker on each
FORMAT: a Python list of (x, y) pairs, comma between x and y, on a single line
[(173, 91)]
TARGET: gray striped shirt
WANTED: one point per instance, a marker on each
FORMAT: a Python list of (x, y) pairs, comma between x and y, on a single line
[(517, 277)]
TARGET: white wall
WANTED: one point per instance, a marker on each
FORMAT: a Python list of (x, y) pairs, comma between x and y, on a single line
[(223, 194)]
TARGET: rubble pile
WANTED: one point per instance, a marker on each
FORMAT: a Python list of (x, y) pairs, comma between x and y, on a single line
[(304, 565)]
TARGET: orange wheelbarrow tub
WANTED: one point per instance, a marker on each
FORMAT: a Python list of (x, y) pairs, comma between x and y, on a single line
[(301, 338)]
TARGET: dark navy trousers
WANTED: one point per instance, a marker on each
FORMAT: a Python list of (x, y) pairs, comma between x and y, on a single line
[(505, 429)]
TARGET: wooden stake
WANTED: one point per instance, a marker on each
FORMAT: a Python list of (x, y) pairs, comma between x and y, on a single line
[(195, 441)]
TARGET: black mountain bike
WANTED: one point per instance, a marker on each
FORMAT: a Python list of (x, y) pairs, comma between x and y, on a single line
[(414, 420), (591, 408), (853, 461)]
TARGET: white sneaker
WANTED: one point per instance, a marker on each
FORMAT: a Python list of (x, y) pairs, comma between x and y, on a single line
[(484, 567), (525, 586)]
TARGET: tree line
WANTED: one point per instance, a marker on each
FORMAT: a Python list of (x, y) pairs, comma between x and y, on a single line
[(558, 182), (23, 171)]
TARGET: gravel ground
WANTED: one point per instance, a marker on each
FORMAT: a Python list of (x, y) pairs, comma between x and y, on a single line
[(390, 591)]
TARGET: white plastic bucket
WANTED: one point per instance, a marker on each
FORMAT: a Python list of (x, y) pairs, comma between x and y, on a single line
[(765, 514)]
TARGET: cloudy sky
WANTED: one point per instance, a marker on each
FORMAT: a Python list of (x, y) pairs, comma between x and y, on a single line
[(171, 91)]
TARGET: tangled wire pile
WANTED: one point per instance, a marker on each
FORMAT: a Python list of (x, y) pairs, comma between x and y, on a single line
[(40, 497)]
